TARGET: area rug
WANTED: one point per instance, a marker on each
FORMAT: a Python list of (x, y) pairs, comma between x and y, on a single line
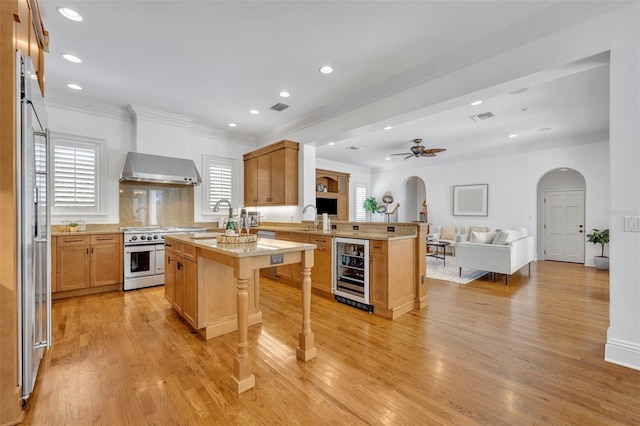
[(437, 271)]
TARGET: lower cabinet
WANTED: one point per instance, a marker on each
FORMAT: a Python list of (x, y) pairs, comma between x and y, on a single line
[(181, 276), (86, 261), (322, 263), (391, 288)]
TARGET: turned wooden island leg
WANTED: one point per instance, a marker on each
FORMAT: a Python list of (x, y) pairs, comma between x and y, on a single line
[(242, 378), (306, 349)]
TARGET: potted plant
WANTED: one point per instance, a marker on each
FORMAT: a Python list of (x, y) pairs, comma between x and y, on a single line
[(370, 205), (73, 227), (602, 238)]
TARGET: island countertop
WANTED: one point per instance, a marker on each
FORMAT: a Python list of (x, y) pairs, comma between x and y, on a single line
[(365, 235), (262, 247)]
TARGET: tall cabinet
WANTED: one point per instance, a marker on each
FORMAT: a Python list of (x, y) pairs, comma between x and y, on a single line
[(21, 28), (331, 186), (271, 175)]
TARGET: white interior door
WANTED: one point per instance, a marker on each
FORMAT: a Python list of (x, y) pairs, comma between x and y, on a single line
[(564, 226)]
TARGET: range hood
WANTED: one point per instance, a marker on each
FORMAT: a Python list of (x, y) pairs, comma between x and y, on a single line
[(158, 169)]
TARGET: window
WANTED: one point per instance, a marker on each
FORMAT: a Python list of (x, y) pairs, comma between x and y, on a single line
[(218, 182), (75, 175), (361, 195)]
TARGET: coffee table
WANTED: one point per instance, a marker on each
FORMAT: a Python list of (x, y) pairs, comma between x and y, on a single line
[(439, 245)]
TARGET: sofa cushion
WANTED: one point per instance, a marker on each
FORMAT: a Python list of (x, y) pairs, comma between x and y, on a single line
[(448, 232), (482, 237), (476, 229), (507, 236)]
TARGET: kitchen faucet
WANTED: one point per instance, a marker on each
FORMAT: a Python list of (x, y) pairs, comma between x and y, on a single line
[(315, 217), (217, 206)]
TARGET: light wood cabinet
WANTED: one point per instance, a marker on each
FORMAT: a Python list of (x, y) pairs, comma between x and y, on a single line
[(391, 289), (180, 287), (86, 261), (271, 175), (322, 264), (337, 188)]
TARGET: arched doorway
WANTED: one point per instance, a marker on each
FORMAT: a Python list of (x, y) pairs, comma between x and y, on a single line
[(561, 213), (414, 195)]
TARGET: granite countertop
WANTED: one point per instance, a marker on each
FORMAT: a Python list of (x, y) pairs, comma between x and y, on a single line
[(262, 247), (366, 235), (83, 233)]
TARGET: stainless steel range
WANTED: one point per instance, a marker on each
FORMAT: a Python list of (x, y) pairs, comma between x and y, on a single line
[(144, 254)]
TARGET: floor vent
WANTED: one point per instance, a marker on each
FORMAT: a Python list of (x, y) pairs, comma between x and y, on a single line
[(483, 116), (279, 106), (355, 304)]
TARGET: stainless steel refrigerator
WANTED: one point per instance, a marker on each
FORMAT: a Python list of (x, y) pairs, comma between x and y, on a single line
[(34, 259)]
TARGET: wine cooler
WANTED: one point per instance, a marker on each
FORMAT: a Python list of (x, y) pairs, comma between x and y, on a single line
[(351, 272)]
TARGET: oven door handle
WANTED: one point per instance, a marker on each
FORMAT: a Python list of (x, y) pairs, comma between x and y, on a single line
[(140, 249)]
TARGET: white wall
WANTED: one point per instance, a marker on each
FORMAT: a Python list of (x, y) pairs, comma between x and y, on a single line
[(356, 174), (173, 137)]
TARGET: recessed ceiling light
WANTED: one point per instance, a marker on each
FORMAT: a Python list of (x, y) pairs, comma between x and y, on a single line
[(71, 58), (564, 170), (326, 69), (232, 124), (388, 128), (474, 103), (74, 86), (388, 158), (70, 14), (254, 111), (513, 135), (331, 143), (284, 94)]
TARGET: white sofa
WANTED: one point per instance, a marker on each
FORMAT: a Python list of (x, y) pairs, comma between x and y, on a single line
[(448, 234), (505, 253)]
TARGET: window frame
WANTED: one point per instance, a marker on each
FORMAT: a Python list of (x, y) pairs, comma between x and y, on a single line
[(83, 142), (207, 209), (358, 206)]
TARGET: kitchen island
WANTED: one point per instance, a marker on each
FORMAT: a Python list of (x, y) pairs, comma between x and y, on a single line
[(205, 270)]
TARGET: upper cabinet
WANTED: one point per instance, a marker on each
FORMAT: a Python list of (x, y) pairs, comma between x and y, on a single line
[(271, 175), (332, 193)]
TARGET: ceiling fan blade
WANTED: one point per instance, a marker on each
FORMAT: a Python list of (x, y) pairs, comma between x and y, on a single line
[(433, 150), (404, 153), (408, 156)]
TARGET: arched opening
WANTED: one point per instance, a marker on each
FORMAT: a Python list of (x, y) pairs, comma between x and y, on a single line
[(414, 194), (561, 216)]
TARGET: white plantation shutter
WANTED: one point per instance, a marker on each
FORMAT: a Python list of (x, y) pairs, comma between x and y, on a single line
[(218, 181), (361, 195), (75, 174)]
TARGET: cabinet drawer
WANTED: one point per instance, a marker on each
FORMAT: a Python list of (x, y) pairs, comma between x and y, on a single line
[(189, 252), (321, 241), (75, 240), (377, 246), (177, 248), (105, 239)]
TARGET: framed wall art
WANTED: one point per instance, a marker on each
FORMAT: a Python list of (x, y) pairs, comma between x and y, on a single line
[(470, 200)]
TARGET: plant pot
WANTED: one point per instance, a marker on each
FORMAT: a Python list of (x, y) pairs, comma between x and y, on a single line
[(602, 262)]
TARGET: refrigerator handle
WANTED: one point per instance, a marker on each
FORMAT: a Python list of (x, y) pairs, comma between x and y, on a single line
[(35, 209)]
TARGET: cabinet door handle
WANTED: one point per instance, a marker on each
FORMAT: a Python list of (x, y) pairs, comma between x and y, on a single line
[(179, 265), (91, 250), (87, 250), (73, 241), (169, 260), (167, 245)]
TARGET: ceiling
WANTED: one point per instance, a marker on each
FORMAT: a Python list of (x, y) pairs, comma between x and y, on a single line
[(214, 61)]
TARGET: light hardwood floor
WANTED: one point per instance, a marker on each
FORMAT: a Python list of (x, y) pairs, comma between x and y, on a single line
[(482, 353)]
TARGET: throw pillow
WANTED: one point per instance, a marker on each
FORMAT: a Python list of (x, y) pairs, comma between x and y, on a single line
[(482, 237), (447, 232), (477, 229), (516, 234), (501, 237)]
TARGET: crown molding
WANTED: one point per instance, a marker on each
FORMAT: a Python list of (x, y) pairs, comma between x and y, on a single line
[(76, 104), (548, 21), (213, 133), (151, 114)]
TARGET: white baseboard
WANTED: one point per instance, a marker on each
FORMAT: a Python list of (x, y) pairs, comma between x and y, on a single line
[(626, 354)]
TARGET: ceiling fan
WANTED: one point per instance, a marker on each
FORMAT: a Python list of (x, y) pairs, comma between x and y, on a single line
[(420, 151)]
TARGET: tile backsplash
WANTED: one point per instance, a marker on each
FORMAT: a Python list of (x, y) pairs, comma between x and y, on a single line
[(149, 204)]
